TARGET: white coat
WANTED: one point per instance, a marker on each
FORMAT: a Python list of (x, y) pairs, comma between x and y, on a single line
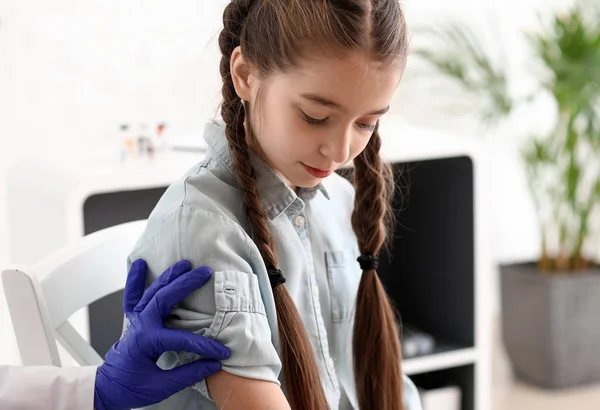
[(52, 388)]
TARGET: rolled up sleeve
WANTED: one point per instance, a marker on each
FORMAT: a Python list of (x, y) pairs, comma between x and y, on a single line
[(229, 308)]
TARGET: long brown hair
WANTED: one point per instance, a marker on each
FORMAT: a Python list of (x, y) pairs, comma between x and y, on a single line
[(273, 36)]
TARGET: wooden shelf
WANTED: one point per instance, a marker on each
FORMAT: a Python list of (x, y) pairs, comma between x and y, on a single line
[(433, 273), (441, 360)]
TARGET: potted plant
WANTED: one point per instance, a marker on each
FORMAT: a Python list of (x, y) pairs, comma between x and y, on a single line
[(550, 306)]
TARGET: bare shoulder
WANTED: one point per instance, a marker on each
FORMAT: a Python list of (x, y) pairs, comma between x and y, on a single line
[(230, 391)]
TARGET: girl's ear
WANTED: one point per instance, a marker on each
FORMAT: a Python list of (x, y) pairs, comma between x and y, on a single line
[(241, 75)]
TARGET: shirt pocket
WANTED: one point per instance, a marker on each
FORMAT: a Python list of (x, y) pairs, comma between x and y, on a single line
[(343, 277)]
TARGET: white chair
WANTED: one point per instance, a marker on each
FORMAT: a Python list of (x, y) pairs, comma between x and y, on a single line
[(42, 298)]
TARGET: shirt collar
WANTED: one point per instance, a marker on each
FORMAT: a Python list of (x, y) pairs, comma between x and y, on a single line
[(276, 196)]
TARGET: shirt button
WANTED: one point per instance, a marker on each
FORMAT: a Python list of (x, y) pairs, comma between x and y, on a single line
[(300, 221), (315, 292), (330, 364)]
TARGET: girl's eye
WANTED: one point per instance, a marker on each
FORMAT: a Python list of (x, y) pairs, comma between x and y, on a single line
[(367, 127), (313, 121)]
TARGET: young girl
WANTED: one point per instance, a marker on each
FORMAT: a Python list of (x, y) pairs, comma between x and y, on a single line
[(293, 246)]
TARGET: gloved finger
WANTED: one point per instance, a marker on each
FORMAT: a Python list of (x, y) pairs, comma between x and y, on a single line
[(168, 276), (135, 285), (168, 340), (173, 293), (189, 374)]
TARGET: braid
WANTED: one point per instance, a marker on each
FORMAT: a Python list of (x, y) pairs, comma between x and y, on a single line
[(299, 366), (378, 373), (232, 111), (374, 190)]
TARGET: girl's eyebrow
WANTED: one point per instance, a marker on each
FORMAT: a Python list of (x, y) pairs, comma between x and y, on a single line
[(332, 104)]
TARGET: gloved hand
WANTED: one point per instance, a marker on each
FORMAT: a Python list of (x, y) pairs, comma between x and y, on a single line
[(129, 377)]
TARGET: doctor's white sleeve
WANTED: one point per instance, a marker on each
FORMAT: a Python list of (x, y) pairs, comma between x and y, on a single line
[(57, 388)]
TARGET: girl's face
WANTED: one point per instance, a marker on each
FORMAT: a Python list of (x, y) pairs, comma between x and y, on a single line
[(313, 119)]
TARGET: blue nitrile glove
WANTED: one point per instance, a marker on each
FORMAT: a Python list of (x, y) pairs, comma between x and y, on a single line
[(130, 378)]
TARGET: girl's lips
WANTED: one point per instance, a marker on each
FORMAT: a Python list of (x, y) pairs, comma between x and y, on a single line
[(317, 173)]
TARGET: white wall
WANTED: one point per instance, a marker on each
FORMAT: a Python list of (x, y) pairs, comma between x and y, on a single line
[(71, 72)]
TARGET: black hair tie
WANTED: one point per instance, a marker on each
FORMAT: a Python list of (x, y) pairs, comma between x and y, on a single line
[(368, 262), (275, 277)]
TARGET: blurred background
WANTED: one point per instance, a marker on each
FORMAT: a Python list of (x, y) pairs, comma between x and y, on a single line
[(87, 88)]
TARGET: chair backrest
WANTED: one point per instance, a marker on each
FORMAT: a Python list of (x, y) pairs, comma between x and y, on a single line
[(42, 298)]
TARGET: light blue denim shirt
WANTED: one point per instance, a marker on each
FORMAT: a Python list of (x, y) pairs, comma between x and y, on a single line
[(201, 218)]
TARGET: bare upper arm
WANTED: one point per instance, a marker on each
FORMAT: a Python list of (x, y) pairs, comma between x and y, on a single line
[(234, 392)]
